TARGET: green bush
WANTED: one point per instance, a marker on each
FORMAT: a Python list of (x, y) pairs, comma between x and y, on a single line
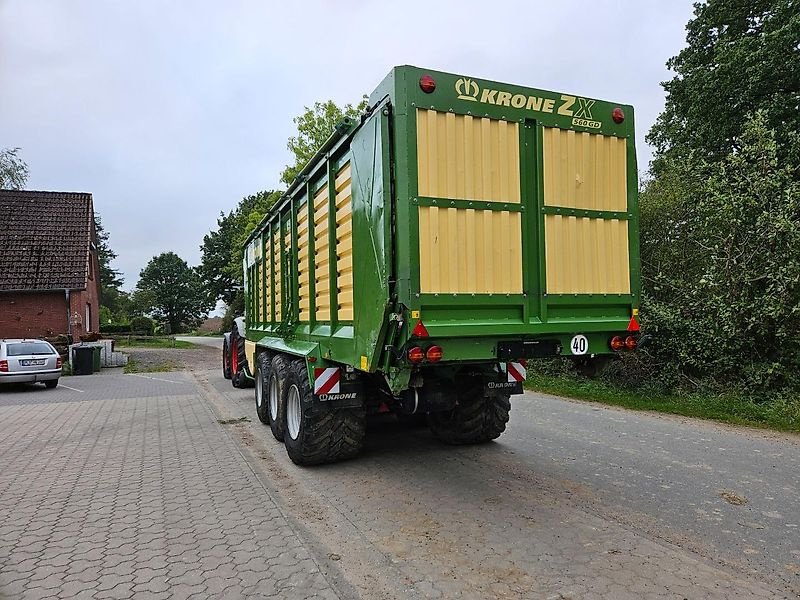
[(142, 325)]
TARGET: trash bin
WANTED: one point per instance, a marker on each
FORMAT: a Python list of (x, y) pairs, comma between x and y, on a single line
[(82, 360), (96, 359)]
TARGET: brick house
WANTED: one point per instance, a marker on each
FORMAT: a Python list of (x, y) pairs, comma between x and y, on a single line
[(49, 275)]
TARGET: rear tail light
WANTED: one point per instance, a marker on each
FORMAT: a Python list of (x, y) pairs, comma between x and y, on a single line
[(630, 342), (3, 366), (416, 355), (427, 84), (434, 354), (58, 363), (616, 343)]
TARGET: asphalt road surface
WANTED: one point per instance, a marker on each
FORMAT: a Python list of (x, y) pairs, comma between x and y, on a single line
[(575, 500), (212, 342), (165, 485)]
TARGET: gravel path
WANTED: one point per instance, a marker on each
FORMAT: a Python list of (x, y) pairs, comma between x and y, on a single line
[(200, 358)]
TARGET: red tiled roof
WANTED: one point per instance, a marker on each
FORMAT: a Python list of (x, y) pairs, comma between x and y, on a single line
[(44, 239)]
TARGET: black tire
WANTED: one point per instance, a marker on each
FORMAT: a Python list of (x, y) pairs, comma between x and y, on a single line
[(263, 368), (324, 434), (226, 359), (276, 404), (475, 419), (236, 367), (51, 384), (239, 378)]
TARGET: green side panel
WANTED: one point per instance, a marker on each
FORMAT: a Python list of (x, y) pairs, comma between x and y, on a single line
[(296, 347), (371, 189)]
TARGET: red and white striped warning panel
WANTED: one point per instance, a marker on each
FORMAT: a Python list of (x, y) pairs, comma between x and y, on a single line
[(515, 372), (326, 381)]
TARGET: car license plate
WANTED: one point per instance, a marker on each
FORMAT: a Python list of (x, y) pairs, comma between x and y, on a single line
[(33, 362)]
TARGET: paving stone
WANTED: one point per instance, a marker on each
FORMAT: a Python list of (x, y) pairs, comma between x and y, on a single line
[(134, 490)]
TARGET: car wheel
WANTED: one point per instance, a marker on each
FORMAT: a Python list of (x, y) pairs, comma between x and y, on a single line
[(51, 384)]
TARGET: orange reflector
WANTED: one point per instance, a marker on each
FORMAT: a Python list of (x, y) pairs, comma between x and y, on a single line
[(616, 343), (419, 330), (633, 324), (416, 355), (434, 354)]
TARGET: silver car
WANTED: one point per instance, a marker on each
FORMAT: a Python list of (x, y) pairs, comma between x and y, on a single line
[(29, 361)]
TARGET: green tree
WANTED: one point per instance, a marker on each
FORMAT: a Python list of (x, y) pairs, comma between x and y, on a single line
[(721, 267), (169, 290), (742, 56), (221, 265), (111, 296), (314, 127), (13, 170)]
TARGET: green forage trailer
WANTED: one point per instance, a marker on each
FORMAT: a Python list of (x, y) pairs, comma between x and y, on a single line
[(457, 229)]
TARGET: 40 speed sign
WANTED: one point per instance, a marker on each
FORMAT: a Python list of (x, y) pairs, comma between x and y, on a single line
[(579, 345)]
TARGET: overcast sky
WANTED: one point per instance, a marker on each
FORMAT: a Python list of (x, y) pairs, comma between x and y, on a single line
[(169, 112)]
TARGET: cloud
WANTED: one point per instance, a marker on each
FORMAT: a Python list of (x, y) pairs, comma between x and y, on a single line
[(171, 112)]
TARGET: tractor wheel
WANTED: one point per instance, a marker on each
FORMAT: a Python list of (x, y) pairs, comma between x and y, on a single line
[(475, 419), (226, 359), (317, 434)]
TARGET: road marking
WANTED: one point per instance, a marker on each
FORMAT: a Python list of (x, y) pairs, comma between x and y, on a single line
[(69, 388), (155, 378)]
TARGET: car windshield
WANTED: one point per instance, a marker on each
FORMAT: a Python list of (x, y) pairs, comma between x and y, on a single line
[(23, 348)]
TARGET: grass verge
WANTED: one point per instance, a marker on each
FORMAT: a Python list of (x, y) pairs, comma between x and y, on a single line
[(146, 342), (161, 366), (777, 414)]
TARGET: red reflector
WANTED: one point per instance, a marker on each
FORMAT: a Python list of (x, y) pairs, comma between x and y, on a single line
[(419, 330), (416, 355), (633, 324), (617, 115), (4, 366), (434, 354), (58, 363), (630, 342), (616, 343), (384, 408), (427, 84)]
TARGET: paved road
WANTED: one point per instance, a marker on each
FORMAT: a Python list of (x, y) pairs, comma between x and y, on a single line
[(125, 486), (129, 486), (574, 501), (213, 342)]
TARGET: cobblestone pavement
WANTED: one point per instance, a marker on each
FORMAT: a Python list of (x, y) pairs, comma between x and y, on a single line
[(489, 521), (127, 486)]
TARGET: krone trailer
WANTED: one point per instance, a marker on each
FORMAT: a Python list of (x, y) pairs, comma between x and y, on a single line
[(457, 229)]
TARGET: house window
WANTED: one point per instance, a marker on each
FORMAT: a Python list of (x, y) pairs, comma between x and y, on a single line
[(88, 321), (91, 266)]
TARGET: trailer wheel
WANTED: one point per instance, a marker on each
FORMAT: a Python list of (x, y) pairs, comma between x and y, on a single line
[(475, 419), (276, 401), (226, 359), (263, 367), (318, 435)]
